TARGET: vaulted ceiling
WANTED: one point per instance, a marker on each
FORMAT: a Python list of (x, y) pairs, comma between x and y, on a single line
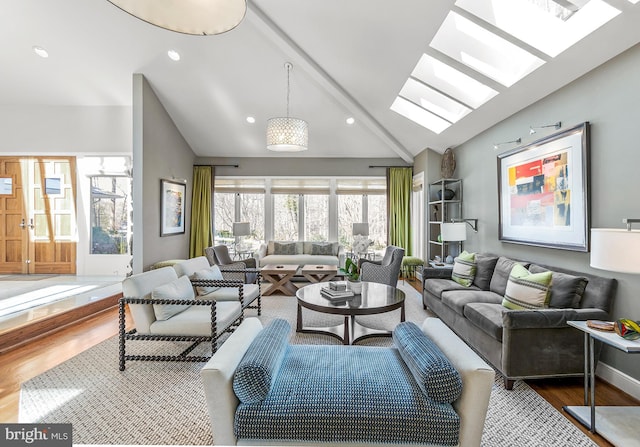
[(350, 58)]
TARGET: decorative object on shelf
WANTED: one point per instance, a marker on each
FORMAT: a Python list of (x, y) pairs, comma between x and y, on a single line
[(449, 194), (543, 196), (287, 134), (448, 164), (200, 18), (172, 195), (556, 126), (497, 145), (449, 259)]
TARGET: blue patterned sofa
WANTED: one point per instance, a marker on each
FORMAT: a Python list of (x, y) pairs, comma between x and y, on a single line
[(429, 389)]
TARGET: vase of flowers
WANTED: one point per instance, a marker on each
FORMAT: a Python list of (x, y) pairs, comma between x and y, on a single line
[(352, 273)]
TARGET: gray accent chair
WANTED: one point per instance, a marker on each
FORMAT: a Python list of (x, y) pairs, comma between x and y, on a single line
[(385, 271), (219, 255)]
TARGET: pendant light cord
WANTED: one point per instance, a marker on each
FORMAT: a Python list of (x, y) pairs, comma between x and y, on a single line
[(288, 66)]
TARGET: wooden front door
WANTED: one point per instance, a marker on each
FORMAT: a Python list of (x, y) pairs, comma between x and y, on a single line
[(37, 215)]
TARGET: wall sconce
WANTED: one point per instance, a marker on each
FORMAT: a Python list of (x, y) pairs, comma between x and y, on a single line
[(457, 229), (497, 145), (532, 129), (616, 249)]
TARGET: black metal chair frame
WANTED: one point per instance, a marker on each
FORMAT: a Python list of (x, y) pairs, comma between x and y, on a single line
[(224, 269), (184, 355)]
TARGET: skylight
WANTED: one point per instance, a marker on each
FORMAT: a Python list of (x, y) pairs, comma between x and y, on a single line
[(452, 82), (524, 19), (483, 50), (419, 115), (433, 101)]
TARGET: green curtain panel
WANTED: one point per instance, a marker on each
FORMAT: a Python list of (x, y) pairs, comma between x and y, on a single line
[(201, 230), (400, 181)]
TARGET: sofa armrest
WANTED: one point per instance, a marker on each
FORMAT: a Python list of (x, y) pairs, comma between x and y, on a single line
[(217, 377), (261, 252), (548, 318)]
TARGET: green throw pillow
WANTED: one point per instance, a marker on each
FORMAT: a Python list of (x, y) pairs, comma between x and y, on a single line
[(526, 290), (464, 268)]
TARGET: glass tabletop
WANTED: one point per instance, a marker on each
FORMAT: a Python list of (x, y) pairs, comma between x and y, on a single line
[(374, 296)]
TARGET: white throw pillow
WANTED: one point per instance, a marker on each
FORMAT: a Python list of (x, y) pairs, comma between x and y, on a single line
[(178, 289), (212, 273)]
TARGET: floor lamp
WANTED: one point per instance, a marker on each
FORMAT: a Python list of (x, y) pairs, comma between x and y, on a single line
[(240, 229)]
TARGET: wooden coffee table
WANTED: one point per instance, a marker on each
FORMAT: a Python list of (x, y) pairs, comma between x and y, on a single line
[(374, 299), (319, 273), (280, 278)]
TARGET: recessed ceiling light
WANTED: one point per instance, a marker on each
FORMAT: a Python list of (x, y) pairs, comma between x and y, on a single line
[(173, 55), (419, 115), (484, 51), (251, 120), (40, 51), (350, 120), (525, 18)]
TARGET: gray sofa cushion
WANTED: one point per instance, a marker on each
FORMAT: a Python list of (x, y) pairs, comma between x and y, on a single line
[(438, 285), (486, 316), (457, 300), (433, 372), (501, 274), (485, 264), (566, 290), (259, 367)]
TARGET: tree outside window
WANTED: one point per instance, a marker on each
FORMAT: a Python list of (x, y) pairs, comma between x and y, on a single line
[(285, 217), (110, 197)]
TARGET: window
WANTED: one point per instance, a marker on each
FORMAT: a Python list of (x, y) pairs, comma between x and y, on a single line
[(239, 200), (252, 211), (316, 217), (349, 211), (285, 217), (110, 211), (224, 216), (377, 218)]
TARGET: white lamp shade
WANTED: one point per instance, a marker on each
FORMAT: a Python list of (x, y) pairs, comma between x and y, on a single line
[(361, 229), (615, 249), (197, 17), (241, 229), (453, 231), (287, 134)]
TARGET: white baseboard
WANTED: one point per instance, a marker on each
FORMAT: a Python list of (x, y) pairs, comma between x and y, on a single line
[(618, 379)]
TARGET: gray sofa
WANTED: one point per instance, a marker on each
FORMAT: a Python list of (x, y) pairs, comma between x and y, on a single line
[(261, 390), (521, 343)]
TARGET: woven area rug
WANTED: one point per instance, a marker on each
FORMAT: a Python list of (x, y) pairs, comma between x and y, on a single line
[(163, 403)]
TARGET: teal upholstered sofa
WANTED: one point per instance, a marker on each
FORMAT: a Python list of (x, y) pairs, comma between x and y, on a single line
[(429, 389)]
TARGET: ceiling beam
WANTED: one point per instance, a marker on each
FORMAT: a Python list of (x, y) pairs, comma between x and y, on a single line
[(269, 29)]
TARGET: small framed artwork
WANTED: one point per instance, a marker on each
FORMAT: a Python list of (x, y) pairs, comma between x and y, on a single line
[(172, 196), (543, 191)]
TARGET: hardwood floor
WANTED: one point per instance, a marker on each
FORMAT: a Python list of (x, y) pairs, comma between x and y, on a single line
[(25, 362)]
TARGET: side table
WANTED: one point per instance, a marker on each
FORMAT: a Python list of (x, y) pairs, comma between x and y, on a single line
[(619, 425)]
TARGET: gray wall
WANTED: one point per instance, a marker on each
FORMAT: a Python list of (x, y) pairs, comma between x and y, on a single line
[(608, 97), (159, 151), (287, 166)]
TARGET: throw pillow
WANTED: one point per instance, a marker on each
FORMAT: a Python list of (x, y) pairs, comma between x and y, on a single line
[(212, 273), (259, 366), (501, 274), (526, 290), (433, 372), (322, 248), (284, 248), (485, 265), (464, 268), (178, 289), (567, 289)]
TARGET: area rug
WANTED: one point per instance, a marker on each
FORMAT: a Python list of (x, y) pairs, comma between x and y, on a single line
[(163, 403)]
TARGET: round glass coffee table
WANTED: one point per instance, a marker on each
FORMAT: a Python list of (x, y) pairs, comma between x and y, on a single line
[(374, 299)]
